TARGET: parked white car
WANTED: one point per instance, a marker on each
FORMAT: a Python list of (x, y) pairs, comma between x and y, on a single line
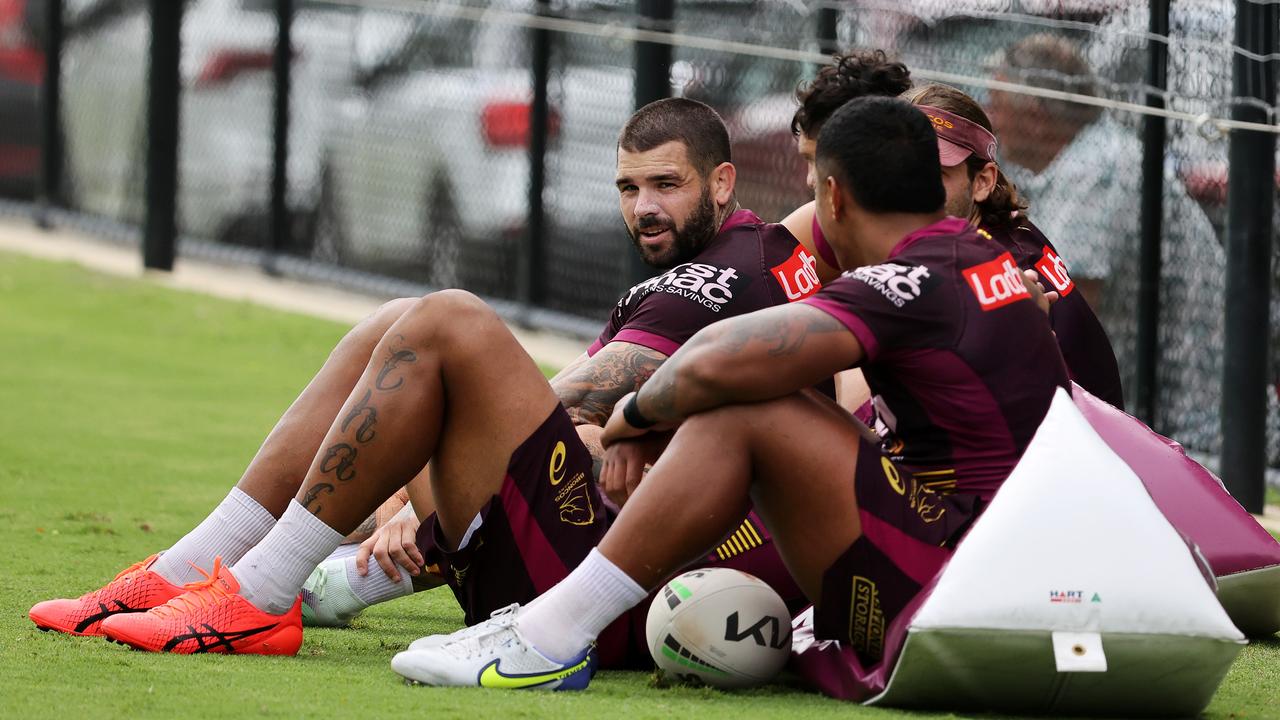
[(226, 116), (427, 166)]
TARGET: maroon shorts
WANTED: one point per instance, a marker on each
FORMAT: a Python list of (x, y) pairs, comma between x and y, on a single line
[(544, 521), (910, 526)]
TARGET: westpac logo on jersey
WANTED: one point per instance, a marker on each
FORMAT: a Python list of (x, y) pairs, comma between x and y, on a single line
[(996, 283), (898, 283), (708, 285)]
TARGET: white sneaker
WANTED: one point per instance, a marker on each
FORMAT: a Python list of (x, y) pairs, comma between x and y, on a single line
[(431, 641), (327, 597), (491, 654)]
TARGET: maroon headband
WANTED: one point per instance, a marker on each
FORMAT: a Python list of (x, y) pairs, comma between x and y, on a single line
[(959, 138)]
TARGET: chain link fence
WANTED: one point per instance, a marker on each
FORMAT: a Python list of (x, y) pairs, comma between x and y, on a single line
[(408, 151), (1080, 166)]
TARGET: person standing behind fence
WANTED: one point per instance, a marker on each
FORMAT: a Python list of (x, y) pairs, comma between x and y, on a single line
[(1079, 168)]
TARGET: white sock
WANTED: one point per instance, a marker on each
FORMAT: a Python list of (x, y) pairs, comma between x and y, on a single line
[(344, 550), (272, 573), (236, 525), (569, 616), (376, 587)]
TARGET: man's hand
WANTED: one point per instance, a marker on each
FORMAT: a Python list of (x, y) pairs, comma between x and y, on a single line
[(625, 463), (393, 546), (1042, 298), (618, 429)]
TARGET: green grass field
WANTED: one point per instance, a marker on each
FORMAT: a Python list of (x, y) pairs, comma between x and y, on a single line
[(127, 411)]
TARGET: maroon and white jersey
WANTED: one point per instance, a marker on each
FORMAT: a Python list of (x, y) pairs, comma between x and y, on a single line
[(1081, 338), (749, 265), (1084, 344), (961, 363)]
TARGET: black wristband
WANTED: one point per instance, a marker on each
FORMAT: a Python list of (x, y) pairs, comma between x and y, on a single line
[(634, 417)]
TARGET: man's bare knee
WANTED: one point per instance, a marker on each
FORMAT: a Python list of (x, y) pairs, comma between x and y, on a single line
[(745, 418), (391, 311), (361, 338), (456, 316), (724, 423), (376, 323)]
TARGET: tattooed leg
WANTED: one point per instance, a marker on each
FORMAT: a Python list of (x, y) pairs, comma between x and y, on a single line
[(277, 471), (447, 383)]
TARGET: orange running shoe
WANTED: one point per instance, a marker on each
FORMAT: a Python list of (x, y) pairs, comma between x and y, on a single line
[(135, 590), (210, 617)]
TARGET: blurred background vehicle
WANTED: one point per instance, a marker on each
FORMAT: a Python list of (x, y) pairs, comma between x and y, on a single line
[(426, 166), (226, 119), (21, 73)]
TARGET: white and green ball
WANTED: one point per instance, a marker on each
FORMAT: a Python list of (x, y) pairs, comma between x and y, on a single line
[(719, 626)]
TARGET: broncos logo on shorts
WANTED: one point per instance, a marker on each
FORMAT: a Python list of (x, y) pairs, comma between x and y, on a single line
[(574, 498)]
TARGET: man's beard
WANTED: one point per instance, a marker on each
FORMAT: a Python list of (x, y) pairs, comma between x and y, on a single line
[(962, 206), (686, 241)]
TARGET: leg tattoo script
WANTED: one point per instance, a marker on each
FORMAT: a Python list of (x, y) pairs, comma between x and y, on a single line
[(340, 460), (389, 366), (365, 432)]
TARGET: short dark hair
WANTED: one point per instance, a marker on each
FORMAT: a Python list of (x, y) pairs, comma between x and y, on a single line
[(886, 152), (1004, 205), (852, 75), (681, 120)]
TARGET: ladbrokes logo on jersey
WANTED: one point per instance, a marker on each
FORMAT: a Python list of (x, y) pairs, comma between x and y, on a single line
[(1054, 271), (899, 284), (798, 275), (708, 285), (996, 283)]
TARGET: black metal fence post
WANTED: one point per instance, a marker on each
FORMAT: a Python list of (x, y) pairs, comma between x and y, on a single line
[(1152, 216), (163, 88), (530, 288), (280, 235), (50, 114), (653, 81), (1250, 200), (828, 19)]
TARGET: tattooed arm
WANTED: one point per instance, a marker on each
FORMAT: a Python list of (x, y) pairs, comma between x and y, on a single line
[(570, 368), (589, 388), (759, 356), (590, 436)]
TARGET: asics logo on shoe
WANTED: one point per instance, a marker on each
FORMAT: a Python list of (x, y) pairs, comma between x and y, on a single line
[(221, 641), (492, 677), (106, 613)]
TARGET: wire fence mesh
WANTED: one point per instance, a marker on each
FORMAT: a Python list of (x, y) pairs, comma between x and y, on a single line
[(409, 134)]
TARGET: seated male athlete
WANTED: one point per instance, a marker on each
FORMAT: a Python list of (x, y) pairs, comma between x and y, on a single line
[(933, 313), (977, 190), (442, 379)]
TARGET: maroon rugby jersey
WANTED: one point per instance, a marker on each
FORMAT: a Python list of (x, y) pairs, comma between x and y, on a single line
[(749, 265), (1090, 360), (961, 363)]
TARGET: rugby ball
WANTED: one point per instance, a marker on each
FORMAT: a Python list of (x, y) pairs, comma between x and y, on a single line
[(721, 627)]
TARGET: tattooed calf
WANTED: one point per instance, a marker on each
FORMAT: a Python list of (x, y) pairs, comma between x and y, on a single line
[(314, 493), (390, 364), (365, 432), (340, 460)]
